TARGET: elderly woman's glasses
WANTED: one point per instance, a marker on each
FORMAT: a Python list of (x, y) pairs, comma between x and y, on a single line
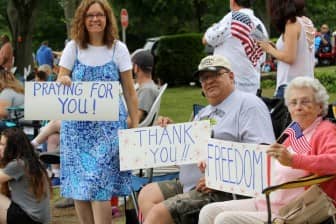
[(91, 16), (302, 102)]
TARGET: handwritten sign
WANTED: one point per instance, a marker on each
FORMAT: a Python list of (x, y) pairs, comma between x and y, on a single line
[(183, 143), (238, 167), (79, 101)]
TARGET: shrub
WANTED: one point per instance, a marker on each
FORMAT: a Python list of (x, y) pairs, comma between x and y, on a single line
[(178, 57), (326, 77)]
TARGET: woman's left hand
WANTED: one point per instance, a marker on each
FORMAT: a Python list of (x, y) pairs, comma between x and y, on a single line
[(281, 153)]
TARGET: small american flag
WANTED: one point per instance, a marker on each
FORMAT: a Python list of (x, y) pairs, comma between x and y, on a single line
[(241, 27), (297, 140)]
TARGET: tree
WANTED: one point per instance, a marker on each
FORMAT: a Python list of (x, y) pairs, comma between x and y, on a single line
[(69, 7), (21, 16), (51, 26)]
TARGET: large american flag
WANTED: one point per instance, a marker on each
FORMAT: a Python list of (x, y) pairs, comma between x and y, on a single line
[(297, 140), (241, 27)]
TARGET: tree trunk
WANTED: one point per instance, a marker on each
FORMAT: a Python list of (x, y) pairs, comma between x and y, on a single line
[(70, 7), (21, 16)]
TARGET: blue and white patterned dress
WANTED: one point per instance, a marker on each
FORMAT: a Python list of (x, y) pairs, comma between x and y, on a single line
[(90, 149)]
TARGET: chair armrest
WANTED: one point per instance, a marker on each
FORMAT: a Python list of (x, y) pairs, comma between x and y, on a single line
[(19, 108), (16, 112), (300, 182)]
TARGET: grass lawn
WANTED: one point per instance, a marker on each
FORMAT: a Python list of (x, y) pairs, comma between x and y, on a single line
[(177, 101)]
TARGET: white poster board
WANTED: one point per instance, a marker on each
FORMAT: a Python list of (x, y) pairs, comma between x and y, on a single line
[(183, 143), (91, 101), (238, 168)]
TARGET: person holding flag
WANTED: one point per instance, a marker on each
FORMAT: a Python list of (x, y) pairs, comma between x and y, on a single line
[(310, 148), (231, 38)]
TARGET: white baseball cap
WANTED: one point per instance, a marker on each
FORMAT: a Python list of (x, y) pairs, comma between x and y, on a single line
[(212, 63)]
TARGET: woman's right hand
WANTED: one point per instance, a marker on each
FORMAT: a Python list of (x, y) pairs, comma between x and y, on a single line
[(64, 79), (201, 166), (265, 46)]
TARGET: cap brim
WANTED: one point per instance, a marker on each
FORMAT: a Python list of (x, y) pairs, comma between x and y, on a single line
[(208, 69)]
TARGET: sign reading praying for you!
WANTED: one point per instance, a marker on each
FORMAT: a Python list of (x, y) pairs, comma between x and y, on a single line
[(238, 168), (91, 101), (176, 144)]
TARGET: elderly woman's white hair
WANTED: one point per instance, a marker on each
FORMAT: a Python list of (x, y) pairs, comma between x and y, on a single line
[(320, 93)]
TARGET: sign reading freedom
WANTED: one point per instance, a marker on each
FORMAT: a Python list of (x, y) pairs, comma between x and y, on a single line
[(176, 144), (238, 168), (92, 101)]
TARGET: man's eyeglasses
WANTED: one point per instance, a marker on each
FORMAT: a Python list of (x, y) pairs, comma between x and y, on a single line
[(211, 75), (91, 16), (303, 102)]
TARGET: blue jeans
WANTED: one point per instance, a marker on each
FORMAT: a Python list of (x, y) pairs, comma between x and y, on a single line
[(280, 92)]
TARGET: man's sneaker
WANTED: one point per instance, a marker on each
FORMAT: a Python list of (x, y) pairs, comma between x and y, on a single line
[(55, 181), (64, 203)]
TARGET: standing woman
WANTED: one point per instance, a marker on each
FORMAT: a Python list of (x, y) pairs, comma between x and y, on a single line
[(295, 47), (25, 175), (89, 149)]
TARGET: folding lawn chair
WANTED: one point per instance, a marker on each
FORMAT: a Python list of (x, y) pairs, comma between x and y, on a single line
[(301, 182)]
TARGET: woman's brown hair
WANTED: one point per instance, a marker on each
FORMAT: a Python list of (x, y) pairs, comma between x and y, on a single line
[(282, 11), (78, 30), (18, 148), (8, 80)]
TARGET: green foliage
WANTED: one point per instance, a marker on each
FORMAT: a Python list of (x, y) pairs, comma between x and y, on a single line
[(322, 12), (50, 26), (328, 80), (326, 75), (162, 17), (178, 57)]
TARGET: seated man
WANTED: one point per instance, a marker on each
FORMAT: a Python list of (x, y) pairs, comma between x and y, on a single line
[(147, 91), (238, 116)]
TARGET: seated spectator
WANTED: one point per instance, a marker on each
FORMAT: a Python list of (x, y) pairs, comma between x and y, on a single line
[(41, 76), (11, 92), (325, 45), (49, 71), (50, 134), (6, 53), (22, 173), (307, 101), (147, 90), (238, 116)]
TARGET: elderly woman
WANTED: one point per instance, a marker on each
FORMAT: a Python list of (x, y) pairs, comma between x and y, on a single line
[(11, 92), (307, 101)]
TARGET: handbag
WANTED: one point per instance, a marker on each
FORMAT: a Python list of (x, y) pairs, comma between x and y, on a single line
[(313, 206)]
